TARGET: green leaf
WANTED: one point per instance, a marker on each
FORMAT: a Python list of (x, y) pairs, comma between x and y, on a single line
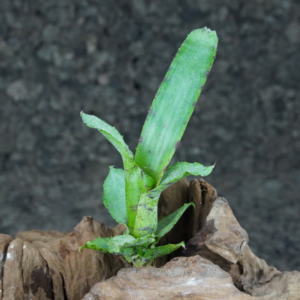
[(113, 135), (149, 182), (146, 216), (110, 244), (175, 101), (168, 222), (114, 195), (134, 188), (136, 181), (120, 241), (144, 241), (118, 244), (178, 171), (182, 169), (98, 244), (153, 253), (129, 254)]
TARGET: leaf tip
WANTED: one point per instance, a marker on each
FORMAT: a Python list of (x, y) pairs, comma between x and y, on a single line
[(82, 115), (182, 244), (206, 36)]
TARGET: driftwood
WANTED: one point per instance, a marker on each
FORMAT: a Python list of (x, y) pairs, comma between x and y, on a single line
[(39, 265), (217, 262), (181, 278), (222, 241)]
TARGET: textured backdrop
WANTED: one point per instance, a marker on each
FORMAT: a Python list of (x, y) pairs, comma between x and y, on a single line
[(58, 57)]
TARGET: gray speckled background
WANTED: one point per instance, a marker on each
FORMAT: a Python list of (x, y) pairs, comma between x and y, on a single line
[(108, 58)]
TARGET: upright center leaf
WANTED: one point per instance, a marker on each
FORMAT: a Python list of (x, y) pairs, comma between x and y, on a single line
[(175, 102)]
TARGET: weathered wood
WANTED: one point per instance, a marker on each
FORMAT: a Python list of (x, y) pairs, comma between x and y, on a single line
[(218, 265), (47, 265), (223, 241), (4, 243), (217, 262), (12, 289), (181, 278)]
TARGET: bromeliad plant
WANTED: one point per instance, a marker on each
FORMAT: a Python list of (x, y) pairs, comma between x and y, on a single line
[(131, 195)]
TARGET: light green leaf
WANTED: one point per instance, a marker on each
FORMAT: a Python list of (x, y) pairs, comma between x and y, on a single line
[(136, 181), (178, 171), (119, 243), (116, 243), (129, 254), (146, 216), (110, 244), (114, 195), (113, 135), (144, 241), (98, 244), (182, 169), (134, 188), (168, 222), (175, 102), (153, 253), (149, 182)]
